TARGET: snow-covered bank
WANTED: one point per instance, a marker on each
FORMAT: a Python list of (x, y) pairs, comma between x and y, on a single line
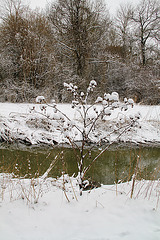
[(105, 213), (17, 123)]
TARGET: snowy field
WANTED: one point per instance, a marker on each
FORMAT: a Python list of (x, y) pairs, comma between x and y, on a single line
[(43, 210), (105, 213)]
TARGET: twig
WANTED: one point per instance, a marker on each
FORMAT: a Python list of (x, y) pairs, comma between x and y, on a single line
[(134, 176)]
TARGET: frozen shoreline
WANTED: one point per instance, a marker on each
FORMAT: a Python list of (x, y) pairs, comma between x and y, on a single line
[(18, 124)]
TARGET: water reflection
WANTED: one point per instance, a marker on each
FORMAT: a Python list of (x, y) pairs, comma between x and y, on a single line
[(115, 164)]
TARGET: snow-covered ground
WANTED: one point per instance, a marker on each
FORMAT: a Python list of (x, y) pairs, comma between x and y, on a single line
[(42, 210), (16, 122), (105, 213)]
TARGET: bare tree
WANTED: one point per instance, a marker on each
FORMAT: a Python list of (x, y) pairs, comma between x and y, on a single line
[(27, 50), (78, 26), (123, 27), (147, 23)]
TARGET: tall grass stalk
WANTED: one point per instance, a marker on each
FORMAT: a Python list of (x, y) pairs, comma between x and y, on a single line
[(134, 176)]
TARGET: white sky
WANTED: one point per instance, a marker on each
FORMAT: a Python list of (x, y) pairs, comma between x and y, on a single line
[(37, 3), (112, 4)]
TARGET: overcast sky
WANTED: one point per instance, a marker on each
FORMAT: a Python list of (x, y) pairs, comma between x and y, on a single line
[(112, 4)]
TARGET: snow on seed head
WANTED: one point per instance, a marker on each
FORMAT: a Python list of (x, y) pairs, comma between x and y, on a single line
[(104, 102), (130, 101), (107, 96), (93, 83), (114, 97), (125, 100), (40, 99), (99, 99), (66, 84), (82, 94), (115, 93)]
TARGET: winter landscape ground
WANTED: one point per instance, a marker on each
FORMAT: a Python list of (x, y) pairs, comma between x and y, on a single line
[(53, 209), (25, 125)]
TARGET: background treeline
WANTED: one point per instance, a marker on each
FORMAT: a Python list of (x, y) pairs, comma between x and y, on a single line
[(77, 41)]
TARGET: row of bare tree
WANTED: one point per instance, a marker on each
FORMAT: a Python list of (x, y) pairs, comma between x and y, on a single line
[(76, 41)]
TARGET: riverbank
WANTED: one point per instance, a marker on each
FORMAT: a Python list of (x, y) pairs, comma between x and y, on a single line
[(19, 123)]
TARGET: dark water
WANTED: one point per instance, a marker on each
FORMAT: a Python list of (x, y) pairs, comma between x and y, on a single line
[(116, 164)]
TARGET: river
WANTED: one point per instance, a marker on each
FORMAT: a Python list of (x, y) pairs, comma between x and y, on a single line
[(118, 163)]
